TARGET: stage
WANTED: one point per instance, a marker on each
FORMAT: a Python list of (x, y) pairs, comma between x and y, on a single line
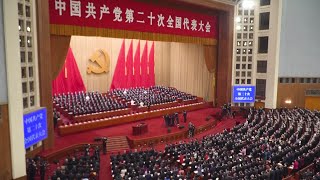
[(156, 127)]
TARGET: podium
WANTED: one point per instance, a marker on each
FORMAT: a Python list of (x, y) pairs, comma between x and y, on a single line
[(139, 129)]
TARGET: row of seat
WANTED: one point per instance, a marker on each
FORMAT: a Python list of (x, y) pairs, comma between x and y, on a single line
[(74, 127), (269, 145)]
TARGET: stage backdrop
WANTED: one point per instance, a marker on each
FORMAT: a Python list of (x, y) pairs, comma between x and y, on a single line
[(177, 65)]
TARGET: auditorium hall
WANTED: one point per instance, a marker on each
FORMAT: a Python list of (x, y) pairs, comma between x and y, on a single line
[(159, 90)]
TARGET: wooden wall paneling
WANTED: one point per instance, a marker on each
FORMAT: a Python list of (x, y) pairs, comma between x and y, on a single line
[(45, 66), (224, 63), (312, 102), (59, 48), (34, 152), (295, 92), (259, 104), (5, 151), (229, 50)]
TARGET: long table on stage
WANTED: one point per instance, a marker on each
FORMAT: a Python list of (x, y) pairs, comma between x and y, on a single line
[(102, 115), (122, 119), (119, 112)]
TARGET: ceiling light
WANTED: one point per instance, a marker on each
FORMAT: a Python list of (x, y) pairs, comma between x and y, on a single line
[(238, 19), (247, 4), (288, 101)]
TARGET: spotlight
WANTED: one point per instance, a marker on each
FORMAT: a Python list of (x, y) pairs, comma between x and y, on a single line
[(238, 19), (288, 101), (238, 27)]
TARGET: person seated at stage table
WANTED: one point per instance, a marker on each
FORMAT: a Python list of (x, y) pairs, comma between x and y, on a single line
[(141, 104), (80, 103), (152, 95)]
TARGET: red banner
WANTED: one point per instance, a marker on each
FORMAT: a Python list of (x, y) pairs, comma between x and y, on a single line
[(132, 15)]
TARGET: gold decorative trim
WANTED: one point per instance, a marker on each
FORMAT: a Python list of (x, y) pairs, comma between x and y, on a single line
[(68, 30)]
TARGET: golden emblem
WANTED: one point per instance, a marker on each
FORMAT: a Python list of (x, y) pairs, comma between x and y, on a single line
[(100, 62)]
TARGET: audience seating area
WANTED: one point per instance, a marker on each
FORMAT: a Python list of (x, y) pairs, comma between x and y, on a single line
[(269, 145), (312, 172), (82, 165)]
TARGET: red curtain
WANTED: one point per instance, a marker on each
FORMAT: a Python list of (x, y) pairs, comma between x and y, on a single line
[(137, 75), (129, 65), (69, 78), (144, 66), (151, 74), (119, 80)]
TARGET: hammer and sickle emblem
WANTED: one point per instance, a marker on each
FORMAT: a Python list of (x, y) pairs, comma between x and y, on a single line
[(100, 62)]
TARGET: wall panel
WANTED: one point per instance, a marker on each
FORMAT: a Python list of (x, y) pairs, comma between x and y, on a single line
[(5, 155), (178, 65), (312, 102), (45, 66), (294, 92)]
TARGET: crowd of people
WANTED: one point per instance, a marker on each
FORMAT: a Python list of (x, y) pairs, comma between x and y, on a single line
[(173, 92), (269, 145), (171, 119), (83, 165), (36, 166), (312, 173), (151, 96), (80, 103)]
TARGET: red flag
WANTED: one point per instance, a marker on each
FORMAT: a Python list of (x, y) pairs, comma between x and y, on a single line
[(144, 66), (118, 80), (129, 65), (69, 78), (137, 79), (151, 66)]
